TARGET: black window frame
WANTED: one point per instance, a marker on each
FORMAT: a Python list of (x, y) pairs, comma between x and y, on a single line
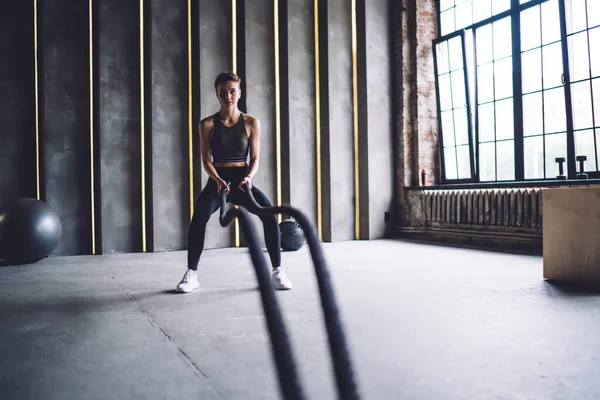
[(515, 14), (472, 161)]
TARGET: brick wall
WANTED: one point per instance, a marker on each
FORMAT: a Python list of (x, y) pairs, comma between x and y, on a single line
[(414, 27)]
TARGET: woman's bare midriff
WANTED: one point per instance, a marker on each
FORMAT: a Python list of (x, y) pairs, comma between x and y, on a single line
[(231, 164)]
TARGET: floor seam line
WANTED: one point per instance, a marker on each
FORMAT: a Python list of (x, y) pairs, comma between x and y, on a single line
[(190, 363)]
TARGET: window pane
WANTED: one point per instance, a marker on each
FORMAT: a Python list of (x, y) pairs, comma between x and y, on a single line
[(464, 162), (502, 38), (484, 44), (442, 57), (446, 4), (531, 34), (460, 126), (487, 161), (524, 1), (504, 119), (575, 12), (482, 9), (444, 92), (499, 6), (534, 157), (485, 83), (585, 146), (486, 122), (595, 51), (503, 74), (552, 56), (596, 92), (597, 132), (470, 58), (450, 162), (447, 128), (453, 113), (582, 105), (447, 21), (531, 62), (578, 57), (458, 89), (593, 8), (532, 114), (556, 146), (464, 15), (554, 111), (550, 22), (506, 160), (456, 56)]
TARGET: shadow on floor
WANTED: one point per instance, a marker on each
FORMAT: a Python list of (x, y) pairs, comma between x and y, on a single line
[(4, 263), (212, 293), (572, 289), (525, 251), (69, 306)]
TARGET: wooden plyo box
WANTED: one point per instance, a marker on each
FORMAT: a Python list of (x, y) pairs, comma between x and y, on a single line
[(571, 234)]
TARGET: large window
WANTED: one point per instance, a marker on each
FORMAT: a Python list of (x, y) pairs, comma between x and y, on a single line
[(495, 122), (544, 111), (518, 87), (454, 108), (583, 38)]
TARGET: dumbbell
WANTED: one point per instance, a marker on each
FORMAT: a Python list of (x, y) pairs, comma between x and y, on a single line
[(561, 171), (581, 174)]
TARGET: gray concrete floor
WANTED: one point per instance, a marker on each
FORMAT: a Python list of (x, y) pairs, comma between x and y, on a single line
[(423, 322)]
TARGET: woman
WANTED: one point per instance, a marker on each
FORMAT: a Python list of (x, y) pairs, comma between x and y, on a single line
[(226, 140)]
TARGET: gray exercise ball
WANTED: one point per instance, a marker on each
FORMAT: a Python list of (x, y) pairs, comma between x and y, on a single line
[(29, 230)]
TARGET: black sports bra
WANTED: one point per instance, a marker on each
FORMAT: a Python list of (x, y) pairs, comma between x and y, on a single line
[(229, 143)]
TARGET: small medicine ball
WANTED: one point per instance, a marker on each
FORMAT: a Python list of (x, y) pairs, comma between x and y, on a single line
[(292, 235), (29, 230)]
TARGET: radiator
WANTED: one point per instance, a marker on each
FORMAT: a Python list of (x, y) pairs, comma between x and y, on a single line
[(518, 208), (508, 218)]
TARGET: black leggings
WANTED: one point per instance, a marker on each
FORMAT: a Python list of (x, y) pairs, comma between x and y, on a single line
[(209, 201)]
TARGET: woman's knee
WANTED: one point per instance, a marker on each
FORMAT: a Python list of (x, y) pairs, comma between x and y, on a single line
[(200, 217)]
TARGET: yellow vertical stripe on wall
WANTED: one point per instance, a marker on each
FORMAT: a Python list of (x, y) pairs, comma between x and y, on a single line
[(142, 126), (190, 121), (277, 105), (236, 223), (318, 121), (92, 191), (355, 114), (37, 98)]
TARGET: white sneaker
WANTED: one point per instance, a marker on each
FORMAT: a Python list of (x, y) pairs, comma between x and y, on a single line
[(280, 280), (189, 282)]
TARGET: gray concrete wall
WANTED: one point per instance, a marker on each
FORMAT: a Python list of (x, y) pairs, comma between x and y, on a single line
[(17, 105), (66, 120), (260, 90), (119, 130), (301, 126), (380, 149), (215, 57), (170, 135), (338, 128), (65, 114)]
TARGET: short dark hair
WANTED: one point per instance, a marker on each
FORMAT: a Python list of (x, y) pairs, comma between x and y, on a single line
[(227, 77)]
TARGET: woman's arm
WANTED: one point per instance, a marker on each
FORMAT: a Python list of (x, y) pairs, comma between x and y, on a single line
[(253, 126), (206, 127)]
